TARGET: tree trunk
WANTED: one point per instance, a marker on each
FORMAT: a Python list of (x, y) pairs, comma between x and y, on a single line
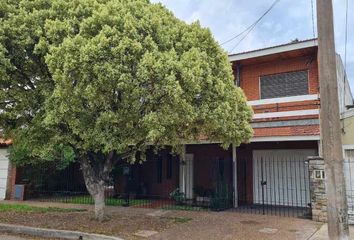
[(99, 199), (95, 187), (96, 169)]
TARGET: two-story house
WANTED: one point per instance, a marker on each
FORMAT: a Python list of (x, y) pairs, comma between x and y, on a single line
[(281, 83), (270, 173)]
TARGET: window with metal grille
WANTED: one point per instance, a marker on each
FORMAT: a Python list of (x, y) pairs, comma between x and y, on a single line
[(284, 84)]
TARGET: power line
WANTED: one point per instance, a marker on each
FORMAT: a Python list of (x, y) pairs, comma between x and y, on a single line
[(236, 36), (345, 58), (238, 43), (346, 35), (255, 24), (252, 26)]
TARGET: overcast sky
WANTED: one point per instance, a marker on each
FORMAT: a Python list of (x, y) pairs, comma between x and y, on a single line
[(290, 19)]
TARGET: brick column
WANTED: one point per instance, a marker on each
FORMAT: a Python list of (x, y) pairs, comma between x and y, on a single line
[(10, 192), (318, 189)]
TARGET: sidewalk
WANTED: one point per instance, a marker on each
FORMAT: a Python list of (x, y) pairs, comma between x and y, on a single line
[(322, 233), (19, 237), (125, 222)]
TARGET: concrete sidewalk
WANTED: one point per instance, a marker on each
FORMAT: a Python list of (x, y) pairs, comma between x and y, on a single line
[(20, 237), (322, 233), (203, 225), (8, 237)]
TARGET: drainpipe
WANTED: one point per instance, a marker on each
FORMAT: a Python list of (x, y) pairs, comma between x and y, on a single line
[(238, 74), (234, 173)]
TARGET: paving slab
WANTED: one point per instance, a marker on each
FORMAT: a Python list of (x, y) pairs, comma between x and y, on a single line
[(268, 230), (145, 233), (158, 213), (238, 226)]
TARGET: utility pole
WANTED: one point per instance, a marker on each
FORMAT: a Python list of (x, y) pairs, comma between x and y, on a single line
[(330, 124)]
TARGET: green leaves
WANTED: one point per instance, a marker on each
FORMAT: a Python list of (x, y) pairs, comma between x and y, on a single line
[(111, 75)]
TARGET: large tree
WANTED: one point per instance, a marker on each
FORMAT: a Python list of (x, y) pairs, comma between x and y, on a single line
[(96, 81)]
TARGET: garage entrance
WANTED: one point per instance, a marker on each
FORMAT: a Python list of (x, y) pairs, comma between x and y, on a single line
[(280, 183)]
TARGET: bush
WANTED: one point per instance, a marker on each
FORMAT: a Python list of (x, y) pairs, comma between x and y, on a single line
[(178, 196), (222, 198)]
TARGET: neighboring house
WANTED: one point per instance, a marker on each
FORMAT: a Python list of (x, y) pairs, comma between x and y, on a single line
[(348, 151), (281, 83), (4, 169)]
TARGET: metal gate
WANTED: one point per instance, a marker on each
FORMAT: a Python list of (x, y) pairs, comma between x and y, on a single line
[(280, 183)]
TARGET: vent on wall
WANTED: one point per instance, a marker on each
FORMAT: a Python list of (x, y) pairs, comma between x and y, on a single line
[(284, 84)]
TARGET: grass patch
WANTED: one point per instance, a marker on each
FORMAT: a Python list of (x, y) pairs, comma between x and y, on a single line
[(86, 199), (178, 219), (22, 208), (183, 208)]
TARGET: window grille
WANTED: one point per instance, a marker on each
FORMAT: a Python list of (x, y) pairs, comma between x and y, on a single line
[(284, 84)]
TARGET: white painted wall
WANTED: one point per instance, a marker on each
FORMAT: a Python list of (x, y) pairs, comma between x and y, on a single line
[(286, 176), (349, 181), (344, 91), (186, 176), (4, 166)]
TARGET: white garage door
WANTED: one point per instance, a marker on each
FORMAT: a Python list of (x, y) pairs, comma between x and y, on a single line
[(4, 165), (284, 175), (349, 182)]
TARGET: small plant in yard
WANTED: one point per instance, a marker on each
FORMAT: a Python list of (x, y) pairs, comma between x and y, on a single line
[(222, 197), (22, 208), (178, 196), (178, 219), (87, 199)]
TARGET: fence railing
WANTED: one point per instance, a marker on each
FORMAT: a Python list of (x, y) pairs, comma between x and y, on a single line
[(133, 200)]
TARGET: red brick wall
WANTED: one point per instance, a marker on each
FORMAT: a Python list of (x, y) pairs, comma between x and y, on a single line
[(250, 73), (11, 181), (244, 175), (206, 157), (147, 173), (288, 131)]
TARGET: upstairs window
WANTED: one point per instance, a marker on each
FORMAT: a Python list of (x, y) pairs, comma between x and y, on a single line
[(284, 84)]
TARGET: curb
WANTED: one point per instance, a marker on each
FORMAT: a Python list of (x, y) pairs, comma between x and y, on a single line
[(52, 233)]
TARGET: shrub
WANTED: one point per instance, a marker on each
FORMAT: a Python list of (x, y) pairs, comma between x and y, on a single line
[(178, 196)]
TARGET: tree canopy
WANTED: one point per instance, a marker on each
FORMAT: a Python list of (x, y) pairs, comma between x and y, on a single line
[(96, 80)]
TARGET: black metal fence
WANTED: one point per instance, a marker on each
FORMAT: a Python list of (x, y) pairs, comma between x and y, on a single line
[(47, 184), (266, 185)]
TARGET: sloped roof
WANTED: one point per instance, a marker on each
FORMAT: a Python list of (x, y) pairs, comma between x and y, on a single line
[(296, 45), (5, 142)]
